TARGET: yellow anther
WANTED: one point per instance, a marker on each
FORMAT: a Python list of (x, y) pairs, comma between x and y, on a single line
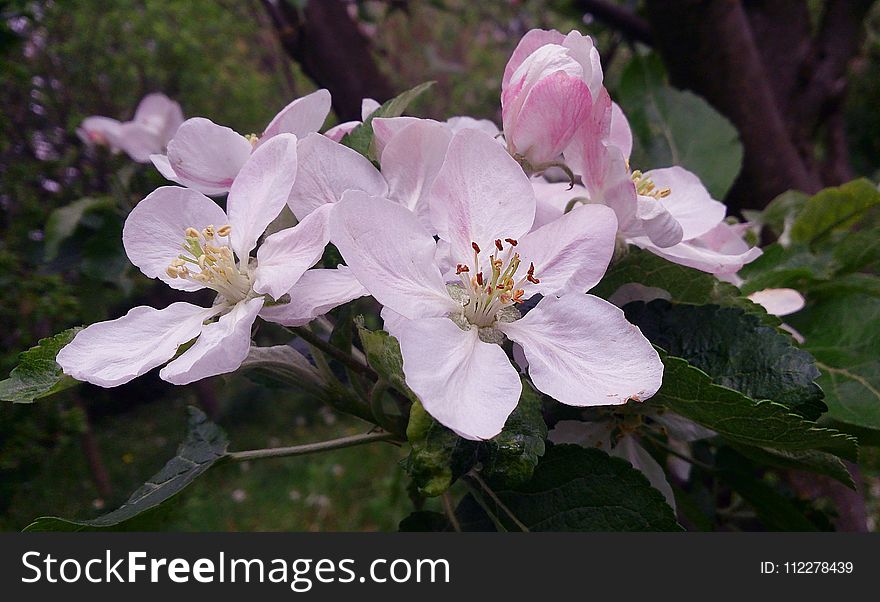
[(171, 271), (224, 230), (208, 232), (192, 232)]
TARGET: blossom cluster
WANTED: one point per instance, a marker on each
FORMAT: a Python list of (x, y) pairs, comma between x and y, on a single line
[(481, 258)]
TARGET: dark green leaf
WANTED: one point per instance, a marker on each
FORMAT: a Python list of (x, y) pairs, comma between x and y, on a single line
[(690, 392), (736, 350), (510, 458), (423, 521), (809, 460), (361, 137), (63, 221), (383, 354), (204, 447), (37, 374), (438, 456), (781, 212), (673, 127), (780, 267), (576, 489)]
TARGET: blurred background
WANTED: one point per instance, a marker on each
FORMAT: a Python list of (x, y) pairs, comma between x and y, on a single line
[(798, 80)]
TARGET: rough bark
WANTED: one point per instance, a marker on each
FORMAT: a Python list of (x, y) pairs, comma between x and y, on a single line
[(332, 52)]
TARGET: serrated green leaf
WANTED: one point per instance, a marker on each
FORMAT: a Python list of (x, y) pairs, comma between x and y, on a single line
[(576, 489), (785, 267), (834, 209), (689, 391), (361, 137), (675, 127), (510, 458), (438, 456), (736, 350), (281, 365), (37, 374), (842, 332), (204, 447), (383, 354), (810, 460), (63, 221)]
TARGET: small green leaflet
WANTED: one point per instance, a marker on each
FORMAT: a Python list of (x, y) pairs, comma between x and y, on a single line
[(37, 374)]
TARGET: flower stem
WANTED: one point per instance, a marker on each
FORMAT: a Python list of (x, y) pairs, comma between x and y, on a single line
[(333, 351), (310, 448)]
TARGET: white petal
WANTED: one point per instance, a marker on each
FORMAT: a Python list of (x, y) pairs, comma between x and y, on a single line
[(285, 256), (586, 434), (463, 122), (155, 230), (779, 301), (572, 252), (160, 114), (657, 223), (260, 191), (338, 132), (582, 49), (583, 352), (528, 44), (301, 117), (368, 107), (138, 141), (391, 254), (689, 202), (699, 255), (481, 194), (161, 163), (467, 385), (206, 155), (221, 348), (410, 163), (99, 130), (386, 128), (326, 170), (620, 134), (553, 198), (114, 352), (316, 293), (630, 450)]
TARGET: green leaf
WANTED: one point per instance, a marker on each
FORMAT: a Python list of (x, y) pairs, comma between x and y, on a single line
[(857, 251), (576, 489), (63, 221), (361, 137), (736, 350), (510, 458), (684, 285), (786, 267), (834, 209), (424, 521), (843, 333), (809, 460), (37, 374), (383, 354), (438, 456), (674, 127), (690, 392), (204, 447), (281, 366), (781, 212)]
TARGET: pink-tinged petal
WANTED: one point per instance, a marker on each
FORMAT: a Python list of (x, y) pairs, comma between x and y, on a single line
[(163, 166), (572, 252), (326, 171), (584, 154), (700, 258), (391, 254), (555, 108), (528, 44), (392, 321), (462, 122), (112, 353), (206, 155), (553, 198), (583, 352), (221, 347), (302, 117), (338, 132), (636, 291), (689, 202), (285, 256), (586, 434), (582, 49), (411, 162), (139, 141), (160, 114), (386, 128), (99, 130), (260, 191), (315, 293), (368, 107), (657, 223), (779, 301), (620, 134), (467, 385), (155, 230), (481, 194), (630, 450)]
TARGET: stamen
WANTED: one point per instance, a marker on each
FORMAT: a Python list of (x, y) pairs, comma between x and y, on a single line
[(512, 241), (476, 247), (498, 244), (224, 230), (461, 268)]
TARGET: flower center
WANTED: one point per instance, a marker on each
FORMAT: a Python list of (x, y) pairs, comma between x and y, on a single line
[(209, 262), (645, 187), (486, 292)]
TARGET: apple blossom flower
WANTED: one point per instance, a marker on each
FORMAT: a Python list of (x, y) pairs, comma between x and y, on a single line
[(206, 157), (581, 350), (411, 152), (155, 121), (216, 250), (548, 89), (337, 132)]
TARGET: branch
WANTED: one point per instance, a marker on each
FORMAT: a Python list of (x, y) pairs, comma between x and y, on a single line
[(625, 21), (335, 352), (310, 448)]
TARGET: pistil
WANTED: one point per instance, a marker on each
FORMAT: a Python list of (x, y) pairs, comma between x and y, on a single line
[(209, 262)]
